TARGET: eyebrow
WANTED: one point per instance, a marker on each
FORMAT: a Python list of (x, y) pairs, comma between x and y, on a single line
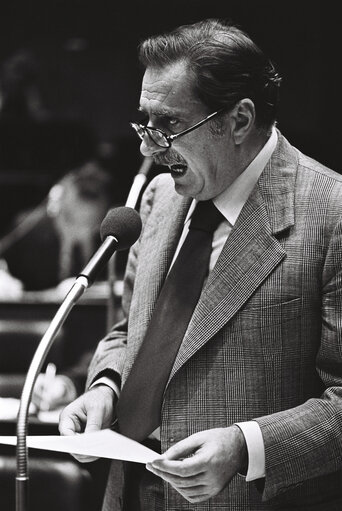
[(161, 112)]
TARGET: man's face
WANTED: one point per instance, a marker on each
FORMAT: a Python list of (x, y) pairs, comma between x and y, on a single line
[(201, 162)]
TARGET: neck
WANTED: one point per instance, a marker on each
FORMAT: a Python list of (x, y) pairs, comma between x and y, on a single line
[(250, 148)]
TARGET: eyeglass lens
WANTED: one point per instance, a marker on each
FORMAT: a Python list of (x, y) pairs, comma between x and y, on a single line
[(156, 136)]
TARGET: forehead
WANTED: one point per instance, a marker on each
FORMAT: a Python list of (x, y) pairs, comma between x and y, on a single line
[(168, 90)]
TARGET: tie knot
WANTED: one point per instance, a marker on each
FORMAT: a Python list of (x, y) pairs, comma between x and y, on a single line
[(206, 217)]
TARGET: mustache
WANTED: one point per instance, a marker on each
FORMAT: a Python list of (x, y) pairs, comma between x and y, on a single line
[(170, 157)]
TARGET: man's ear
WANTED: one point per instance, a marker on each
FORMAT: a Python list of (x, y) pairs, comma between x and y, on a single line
[(243, 117)]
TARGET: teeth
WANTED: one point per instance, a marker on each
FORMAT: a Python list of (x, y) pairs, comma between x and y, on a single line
[(179, 168)]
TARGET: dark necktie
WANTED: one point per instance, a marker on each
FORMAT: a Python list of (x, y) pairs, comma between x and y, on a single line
[(139, 405)]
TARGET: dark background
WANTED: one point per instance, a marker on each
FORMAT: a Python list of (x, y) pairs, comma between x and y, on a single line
[(89, 70)]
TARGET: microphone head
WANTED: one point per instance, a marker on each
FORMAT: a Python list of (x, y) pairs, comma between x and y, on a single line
[(124, 224)]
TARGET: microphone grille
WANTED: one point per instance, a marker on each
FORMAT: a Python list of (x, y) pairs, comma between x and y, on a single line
[(124, 224)]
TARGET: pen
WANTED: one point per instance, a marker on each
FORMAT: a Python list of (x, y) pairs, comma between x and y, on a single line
[(49, 376)]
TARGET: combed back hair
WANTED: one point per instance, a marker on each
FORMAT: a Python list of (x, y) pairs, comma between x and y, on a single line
[(227, 66)]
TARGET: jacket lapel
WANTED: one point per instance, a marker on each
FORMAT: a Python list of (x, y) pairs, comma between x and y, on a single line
[(250, 254)]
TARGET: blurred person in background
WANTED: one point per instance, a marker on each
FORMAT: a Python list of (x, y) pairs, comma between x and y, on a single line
[(20, 96), (64, 387), (48, 248), (77, 206), (55, 241)]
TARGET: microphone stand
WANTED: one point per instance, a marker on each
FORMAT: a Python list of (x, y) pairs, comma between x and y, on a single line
[(39, 357), (76, 291), (131, 201)]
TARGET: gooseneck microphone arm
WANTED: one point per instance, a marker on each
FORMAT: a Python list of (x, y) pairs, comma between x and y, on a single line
[(132, 200), (120, 229), (139, 182)]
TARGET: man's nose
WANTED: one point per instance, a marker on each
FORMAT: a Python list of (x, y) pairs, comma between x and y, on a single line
[(149, 148)]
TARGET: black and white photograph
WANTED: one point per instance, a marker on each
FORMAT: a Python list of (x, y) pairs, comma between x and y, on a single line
[(170, 255)]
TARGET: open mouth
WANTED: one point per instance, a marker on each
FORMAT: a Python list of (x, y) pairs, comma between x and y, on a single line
[(178, 169)]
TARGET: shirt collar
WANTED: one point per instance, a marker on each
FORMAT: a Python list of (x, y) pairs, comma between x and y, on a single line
[(231, 201)]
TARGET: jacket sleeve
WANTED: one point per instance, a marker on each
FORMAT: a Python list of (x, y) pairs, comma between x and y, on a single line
[(306, 442)]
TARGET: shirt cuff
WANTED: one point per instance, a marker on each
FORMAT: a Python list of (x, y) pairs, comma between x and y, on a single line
[(104, 380), (256, 449)]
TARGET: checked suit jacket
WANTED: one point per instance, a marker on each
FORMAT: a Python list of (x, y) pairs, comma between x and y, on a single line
[(264, 342)]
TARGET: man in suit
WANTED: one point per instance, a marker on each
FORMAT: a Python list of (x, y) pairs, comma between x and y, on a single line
[(250, 415)]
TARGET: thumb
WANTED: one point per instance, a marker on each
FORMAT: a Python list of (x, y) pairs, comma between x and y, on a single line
[(69, 426), (183, 448), (94, 421)]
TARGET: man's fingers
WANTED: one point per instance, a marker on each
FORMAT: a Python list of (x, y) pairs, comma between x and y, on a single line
[(191, 488), (188, 467), (71, 422), (182, 458), (95, 418), (93, 424), (87, 413), (69, 426), (179, 470), (183, 448), (180, 482)]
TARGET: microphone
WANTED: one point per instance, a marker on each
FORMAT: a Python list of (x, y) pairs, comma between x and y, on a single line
[(119, 230)]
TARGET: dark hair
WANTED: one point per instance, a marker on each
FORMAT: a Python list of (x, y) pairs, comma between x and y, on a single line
[(91, 181), (227, 65)]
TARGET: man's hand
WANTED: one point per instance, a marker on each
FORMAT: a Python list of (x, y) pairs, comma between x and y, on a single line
[(200, 466), (92, 411)]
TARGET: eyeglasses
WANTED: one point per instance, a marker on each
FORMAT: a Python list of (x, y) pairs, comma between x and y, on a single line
[(160, 138)]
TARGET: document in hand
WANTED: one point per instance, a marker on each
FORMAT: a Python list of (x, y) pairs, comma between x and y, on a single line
[(102, 444)]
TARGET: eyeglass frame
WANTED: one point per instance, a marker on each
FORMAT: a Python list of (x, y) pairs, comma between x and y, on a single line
[(169, 138)]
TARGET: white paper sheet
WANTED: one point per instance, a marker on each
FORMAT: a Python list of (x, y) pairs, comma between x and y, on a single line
[(102, 444)]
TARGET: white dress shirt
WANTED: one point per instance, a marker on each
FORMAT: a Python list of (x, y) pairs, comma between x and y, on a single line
[(230, 203)]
